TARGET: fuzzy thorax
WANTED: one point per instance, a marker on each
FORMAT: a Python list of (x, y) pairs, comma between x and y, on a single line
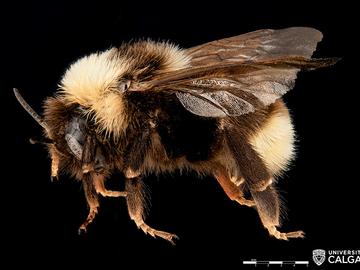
[(93, 81)]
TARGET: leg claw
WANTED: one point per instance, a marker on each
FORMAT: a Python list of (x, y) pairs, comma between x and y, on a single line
[(88, 220), (82, 230), (167, 236), (155, 233), (285, 236)]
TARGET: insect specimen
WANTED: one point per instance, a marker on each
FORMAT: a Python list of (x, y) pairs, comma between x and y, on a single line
[(151, 107)]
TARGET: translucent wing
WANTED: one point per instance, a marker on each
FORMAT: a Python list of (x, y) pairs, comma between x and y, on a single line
[(258, 45), (237, 75), (236, 92), (236, 95)]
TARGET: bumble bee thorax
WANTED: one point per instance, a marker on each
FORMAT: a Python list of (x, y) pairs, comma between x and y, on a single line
[(98, 82)]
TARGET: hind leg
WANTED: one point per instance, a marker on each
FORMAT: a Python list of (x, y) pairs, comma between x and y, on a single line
[(233, 191), (250, 164), (259, 181), (268, 207)]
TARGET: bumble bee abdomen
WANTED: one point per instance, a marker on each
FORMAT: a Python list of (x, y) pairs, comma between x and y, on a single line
[(274, 139)]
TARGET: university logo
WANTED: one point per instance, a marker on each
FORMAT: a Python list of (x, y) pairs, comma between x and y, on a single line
[(318, 256)]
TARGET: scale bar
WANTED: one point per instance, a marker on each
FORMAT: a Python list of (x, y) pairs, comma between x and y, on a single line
[(249, 262), (255, 262), (275, 262), (301, 262)]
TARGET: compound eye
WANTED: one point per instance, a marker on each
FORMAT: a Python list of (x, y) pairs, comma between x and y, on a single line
[(75, 136)]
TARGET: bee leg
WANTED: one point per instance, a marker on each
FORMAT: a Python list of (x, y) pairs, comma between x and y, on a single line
[(258, 180), (136, 201), (268, 207), (249, 162), (92, 200), (100, 187), (55, 160), (234, 192)]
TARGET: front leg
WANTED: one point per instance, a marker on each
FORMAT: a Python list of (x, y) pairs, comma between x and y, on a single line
[(93, 183), (55, 161), (136, 202), (91, 198)]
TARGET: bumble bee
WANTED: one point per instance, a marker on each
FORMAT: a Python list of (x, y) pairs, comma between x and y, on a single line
[(151, 107)]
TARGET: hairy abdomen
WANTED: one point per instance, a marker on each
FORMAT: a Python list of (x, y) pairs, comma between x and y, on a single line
[(272, 137), (274, 140)]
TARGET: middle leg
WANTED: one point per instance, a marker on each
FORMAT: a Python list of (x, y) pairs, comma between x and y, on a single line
[(99, 182), (136, 202)]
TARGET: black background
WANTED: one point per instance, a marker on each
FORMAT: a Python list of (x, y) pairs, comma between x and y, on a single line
[(41, 218)]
